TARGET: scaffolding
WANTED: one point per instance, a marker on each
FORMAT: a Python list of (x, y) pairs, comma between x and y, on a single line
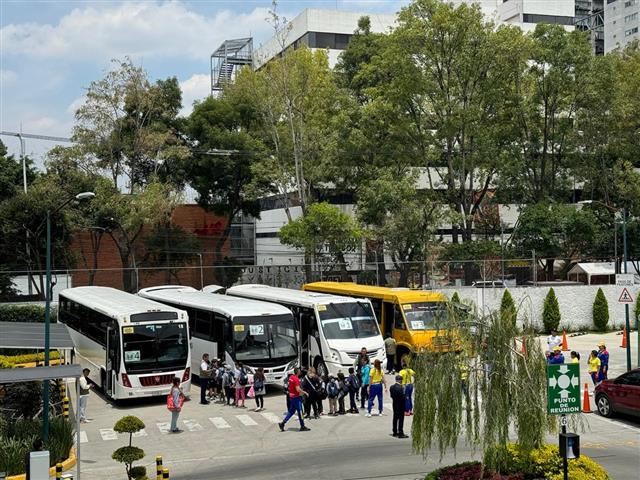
[(590, 18), (228, 59)]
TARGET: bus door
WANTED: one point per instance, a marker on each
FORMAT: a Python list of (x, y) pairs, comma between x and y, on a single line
[(388, 319), (303, 318), (111, 365)]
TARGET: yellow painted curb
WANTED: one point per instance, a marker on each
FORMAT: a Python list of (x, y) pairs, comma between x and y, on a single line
[(67, 464)]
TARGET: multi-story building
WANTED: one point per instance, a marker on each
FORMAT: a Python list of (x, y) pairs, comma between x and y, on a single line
[(621, 23)]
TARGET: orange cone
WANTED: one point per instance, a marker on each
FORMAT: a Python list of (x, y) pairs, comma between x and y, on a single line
[(586, 408), (523, 350), (624, 338), (565, 344)]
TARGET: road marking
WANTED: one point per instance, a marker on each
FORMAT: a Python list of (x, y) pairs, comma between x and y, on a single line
[(219, 422), (141, 433), (271, 417), (193, 425), (246, 420), (164, 427), (83, 437), (108, 434)]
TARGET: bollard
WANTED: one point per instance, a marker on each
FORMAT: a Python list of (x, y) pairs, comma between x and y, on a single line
[(58, 471), (165, 473), (65, 407), (159, 467)]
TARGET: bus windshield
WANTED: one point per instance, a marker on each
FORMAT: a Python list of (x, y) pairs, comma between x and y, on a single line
[(343, 321), (264, 337), (425, 315), (155, 346)]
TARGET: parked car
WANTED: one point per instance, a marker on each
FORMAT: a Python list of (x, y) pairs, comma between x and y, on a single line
[(620, 395)]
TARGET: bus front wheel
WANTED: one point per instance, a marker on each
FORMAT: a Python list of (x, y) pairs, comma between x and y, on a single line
[(321, 368)]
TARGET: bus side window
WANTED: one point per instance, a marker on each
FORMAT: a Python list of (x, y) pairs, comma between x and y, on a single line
[(203, 324), (398, 318), (377, 309), (219, 322), (388, 318)]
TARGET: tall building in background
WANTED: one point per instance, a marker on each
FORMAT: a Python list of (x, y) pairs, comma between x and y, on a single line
[(621, 23), (590, 18)]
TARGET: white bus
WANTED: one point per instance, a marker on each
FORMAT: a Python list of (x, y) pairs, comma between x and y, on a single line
[(133, 346), (332, 329), (258, 334)]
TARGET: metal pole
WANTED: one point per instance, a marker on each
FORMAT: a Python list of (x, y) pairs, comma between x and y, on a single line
[(47, 320), (77, 428), (615, 245), (626, 305), (201, 272), (565, 464), (502, 250)]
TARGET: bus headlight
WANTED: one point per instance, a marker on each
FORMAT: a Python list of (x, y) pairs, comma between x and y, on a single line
[(335, 355)]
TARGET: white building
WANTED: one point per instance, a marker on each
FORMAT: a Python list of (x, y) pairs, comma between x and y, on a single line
[(621, 23), (527, 13), (326, 29)]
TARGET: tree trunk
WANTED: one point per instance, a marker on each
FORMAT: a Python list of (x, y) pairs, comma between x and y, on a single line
[(380, 265), (549, 275)]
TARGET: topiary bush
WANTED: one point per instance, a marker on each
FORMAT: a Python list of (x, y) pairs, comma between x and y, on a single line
[(636, 311), (129, 454), (551, 312), (600, 311), (455, 298), (508, 308)]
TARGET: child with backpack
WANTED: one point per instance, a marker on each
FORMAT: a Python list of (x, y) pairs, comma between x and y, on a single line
[(259, 388), (242, 380), (228, 382), (353, 386), (332, 389), (343, 390)]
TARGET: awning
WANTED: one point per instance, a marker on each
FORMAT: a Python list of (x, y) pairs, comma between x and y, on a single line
[(31, 335), (16, 375)]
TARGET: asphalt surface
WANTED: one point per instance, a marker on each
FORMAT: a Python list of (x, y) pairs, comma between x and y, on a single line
[(222, 442)]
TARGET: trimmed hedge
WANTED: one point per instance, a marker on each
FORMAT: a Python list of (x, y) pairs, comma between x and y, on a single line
[(551, 312), (26, 358), (600, 311), (25, 313)]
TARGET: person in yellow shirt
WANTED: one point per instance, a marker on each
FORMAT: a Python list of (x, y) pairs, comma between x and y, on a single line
[(594, 366), (377, 381), (408, 376), (575, 357)]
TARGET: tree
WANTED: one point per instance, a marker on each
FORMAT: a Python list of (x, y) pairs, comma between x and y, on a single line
[(130, 454), (508, 310), (226, 182), (600, 311), (325, 228), (551, 312), (170, 247), (479, 259), (127, 126), (11, 174), (455, 298)]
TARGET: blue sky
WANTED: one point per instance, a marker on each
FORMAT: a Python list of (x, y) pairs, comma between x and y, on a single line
[(51, 50)]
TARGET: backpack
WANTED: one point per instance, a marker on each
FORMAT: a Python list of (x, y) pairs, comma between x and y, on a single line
[(332, 390), (171, 406), (243, 379), (354, 383), (258, 384)]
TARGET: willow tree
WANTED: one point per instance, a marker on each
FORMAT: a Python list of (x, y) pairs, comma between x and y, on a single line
[(489, 392)]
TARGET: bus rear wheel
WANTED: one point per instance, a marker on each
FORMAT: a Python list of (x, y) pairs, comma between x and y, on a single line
[(321, 368)]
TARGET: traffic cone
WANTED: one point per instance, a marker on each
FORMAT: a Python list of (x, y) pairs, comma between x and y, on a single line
[(624, 338), (565, 344), (586, 408), (523, 350)]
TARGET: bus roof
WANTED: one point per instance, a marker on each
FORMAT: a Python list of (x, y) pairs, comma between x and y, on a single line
[(287, 295), (386, 293), (226, 305), (115, 303)]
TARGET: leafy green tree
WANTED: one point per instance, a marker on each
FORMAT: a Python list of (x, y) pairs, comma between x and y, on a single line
[(479, 258), (325, 228), (170, 247), (551, 311), (636, 311), (508, 308), (11, 174), (600, 311), (130, 454)]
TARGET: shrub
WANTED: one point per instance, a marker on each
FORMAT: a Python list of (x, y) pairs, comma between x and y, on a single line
[(24, 313), (139, 472), (23, 399), (61, 439), (600, 311), (636, 311), (129, 454), (508, 308), (551, 312), (455, 298), (13, 360)]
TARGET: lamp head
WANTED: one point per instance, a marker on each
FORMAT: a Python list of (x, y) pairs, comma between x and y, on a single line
[(85, 195)]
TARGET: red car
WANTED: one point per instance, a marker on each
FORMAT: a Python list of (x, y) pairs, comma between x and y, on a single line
[(620, 395)]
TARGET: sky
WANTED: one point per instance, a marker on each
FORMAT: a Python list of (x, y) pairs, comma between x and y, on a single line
[(50, 50)]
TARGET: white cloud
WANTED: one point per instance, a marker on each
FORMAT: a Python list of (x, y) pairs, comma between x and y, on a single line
[(7, 77), (145, 29), (195, 88), (76, 104)]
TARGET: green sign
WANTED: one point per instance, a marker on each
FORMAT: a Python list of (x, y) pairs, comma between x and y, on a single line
[(563, 389)]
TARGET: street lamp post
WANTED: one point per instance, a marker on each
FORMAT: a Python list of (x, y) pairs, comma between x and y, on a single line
[(47, 311)]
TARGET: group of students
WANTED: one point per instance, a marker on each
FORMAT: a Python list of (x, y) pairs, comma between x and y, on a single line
[(598, 359), (306, 390), (223, 384)]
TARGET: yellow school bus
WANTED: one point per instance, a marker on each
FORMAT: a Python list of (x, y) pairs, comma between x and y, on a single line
[(407, 315)]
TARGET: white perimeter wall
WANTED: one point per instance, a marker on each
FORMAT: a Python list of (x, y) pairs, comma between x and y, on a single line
[(576, 303)]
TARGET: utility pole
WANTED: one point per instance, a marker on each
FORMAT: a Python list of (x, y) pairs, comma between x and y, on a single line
[(626, 305)]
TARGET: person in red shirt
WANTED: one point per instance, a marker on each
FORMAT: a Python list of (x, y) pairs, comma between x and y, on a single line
[(295, 401)]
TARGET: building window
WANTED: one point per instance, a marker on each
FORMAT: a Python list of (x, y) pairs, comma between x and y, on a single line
[(630, 3), (628, 33), (631, 18), (557, 19)]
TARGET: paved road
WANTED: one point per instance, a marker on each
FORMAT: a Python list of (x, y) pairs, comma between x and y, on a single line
[(227, 443)]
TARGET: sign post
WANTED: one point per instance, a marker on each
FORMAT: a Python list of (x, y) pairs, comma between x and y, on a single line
[(626, 298), (563, 396)]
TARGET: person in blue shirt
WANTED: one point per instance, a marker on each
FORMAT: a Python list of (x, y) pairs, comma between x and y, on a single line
[(364, 390), (603, 355), (556, 357)]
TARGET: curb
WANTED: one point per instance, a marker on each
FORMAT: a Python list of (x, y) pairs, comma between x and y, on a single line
[(67, 464)]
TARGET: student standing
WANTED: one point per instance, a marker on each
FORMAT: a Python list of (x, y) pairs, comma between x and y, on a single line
[(241, 383), (375, 389), (390, 349), (205, 377), (343, 390), (398, 398), (332, 394), (553, 340), (259, 388), (575, 357), (364, 390), (175, 404), (295, 399), (408, 376), (353, 384), (594, 366), (603, 355), (84, 395)]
